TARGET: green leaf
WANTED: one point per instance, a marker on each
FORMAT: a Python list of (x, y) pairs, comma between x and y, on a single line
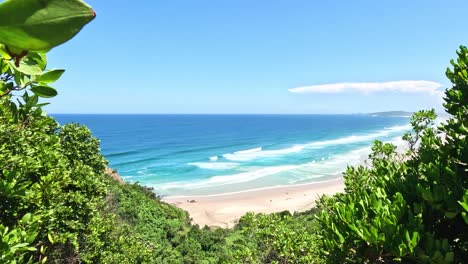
[(449, 257), (415, 239), (4, 53), (374, 233), (50, 76), (26, 218), (38, 25), (27, 67), (464, 205), (30, 238), (31, 101), (4, 66), (40, 58), (465, 217), (451, 215), (44, 91), (407, 236), (20, 245), (43, 104), (49, 236), (340, 236)]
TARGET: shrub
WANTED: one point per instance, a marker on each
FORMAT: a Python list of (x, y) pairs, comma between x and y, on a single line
[(411, 208)]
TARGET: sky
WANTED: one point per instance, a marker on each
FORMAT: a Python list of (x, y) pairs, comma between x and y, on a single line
[(260, 57)]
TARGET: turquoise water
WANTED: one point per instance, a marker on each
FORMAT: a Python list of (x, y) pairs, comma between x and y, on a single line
[(182, 155)]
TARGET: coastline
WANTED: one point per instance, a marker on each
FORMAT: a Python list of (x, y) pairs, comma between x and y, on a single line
[(224, 210)]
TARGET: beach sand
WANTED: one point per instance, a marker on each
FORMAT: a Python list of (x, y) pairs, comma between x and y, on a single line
[(226, 209)]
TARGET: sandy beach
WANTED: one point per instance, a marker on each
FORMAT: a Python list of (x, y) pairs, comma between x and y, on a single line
[(226, 209)]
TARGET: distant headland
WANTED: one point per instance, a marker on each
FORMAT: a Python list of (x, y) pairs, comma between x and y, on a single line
[(392, 114)]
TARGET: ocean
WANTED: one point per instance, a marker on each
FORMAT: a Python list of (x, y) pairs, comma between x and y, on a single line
[(190, 155)]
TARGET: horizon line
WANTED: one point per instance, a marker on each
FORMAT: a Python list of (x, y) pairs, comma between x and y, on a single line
[(357, 113)]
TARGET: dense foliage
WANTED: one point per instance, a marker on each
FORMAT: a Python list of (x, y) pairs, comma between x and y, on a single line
[(277, 238), (413, 207), (57, 205)]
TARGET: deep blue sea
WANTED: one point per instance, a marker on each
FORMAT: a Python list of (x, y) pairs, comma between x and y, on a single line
[(182, 155)]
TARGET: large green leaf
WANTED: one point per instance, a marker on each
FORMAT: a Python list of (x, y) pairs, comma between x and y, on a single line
[(26, 67), (37, 25), (50, 76), (44, 91)]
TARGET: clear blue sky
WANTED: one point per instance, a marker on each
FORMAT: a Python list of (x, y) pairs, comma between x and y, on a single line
[(243, 56)]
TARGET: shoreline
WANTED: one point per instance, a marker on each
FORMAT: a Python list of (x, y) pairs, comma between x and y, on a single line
[(224, 210), (336, 178)]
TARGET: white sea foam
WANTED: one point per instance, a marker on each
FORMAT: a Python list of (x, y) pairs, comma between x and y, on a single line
[(332, 166), (215, 165), (214, 158), (249, 151), (256, 153), (229, 179), (322, 167), (359, 138)]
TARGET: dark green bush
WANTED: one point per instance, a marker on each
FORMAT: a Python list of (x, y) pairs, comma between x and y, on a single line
[(410, 208)]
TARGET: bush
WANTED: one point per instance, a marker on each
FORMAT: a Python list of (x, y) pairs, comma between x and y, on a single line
[(411, 208)]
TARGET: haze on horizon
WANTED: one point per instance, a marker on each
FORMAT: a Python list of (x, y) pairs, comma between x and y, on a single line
[(260, 57)]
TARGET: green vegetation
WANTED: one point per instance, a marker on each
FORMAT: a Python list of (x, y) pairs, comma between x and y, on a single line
[(412, 207), (58, 205)]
